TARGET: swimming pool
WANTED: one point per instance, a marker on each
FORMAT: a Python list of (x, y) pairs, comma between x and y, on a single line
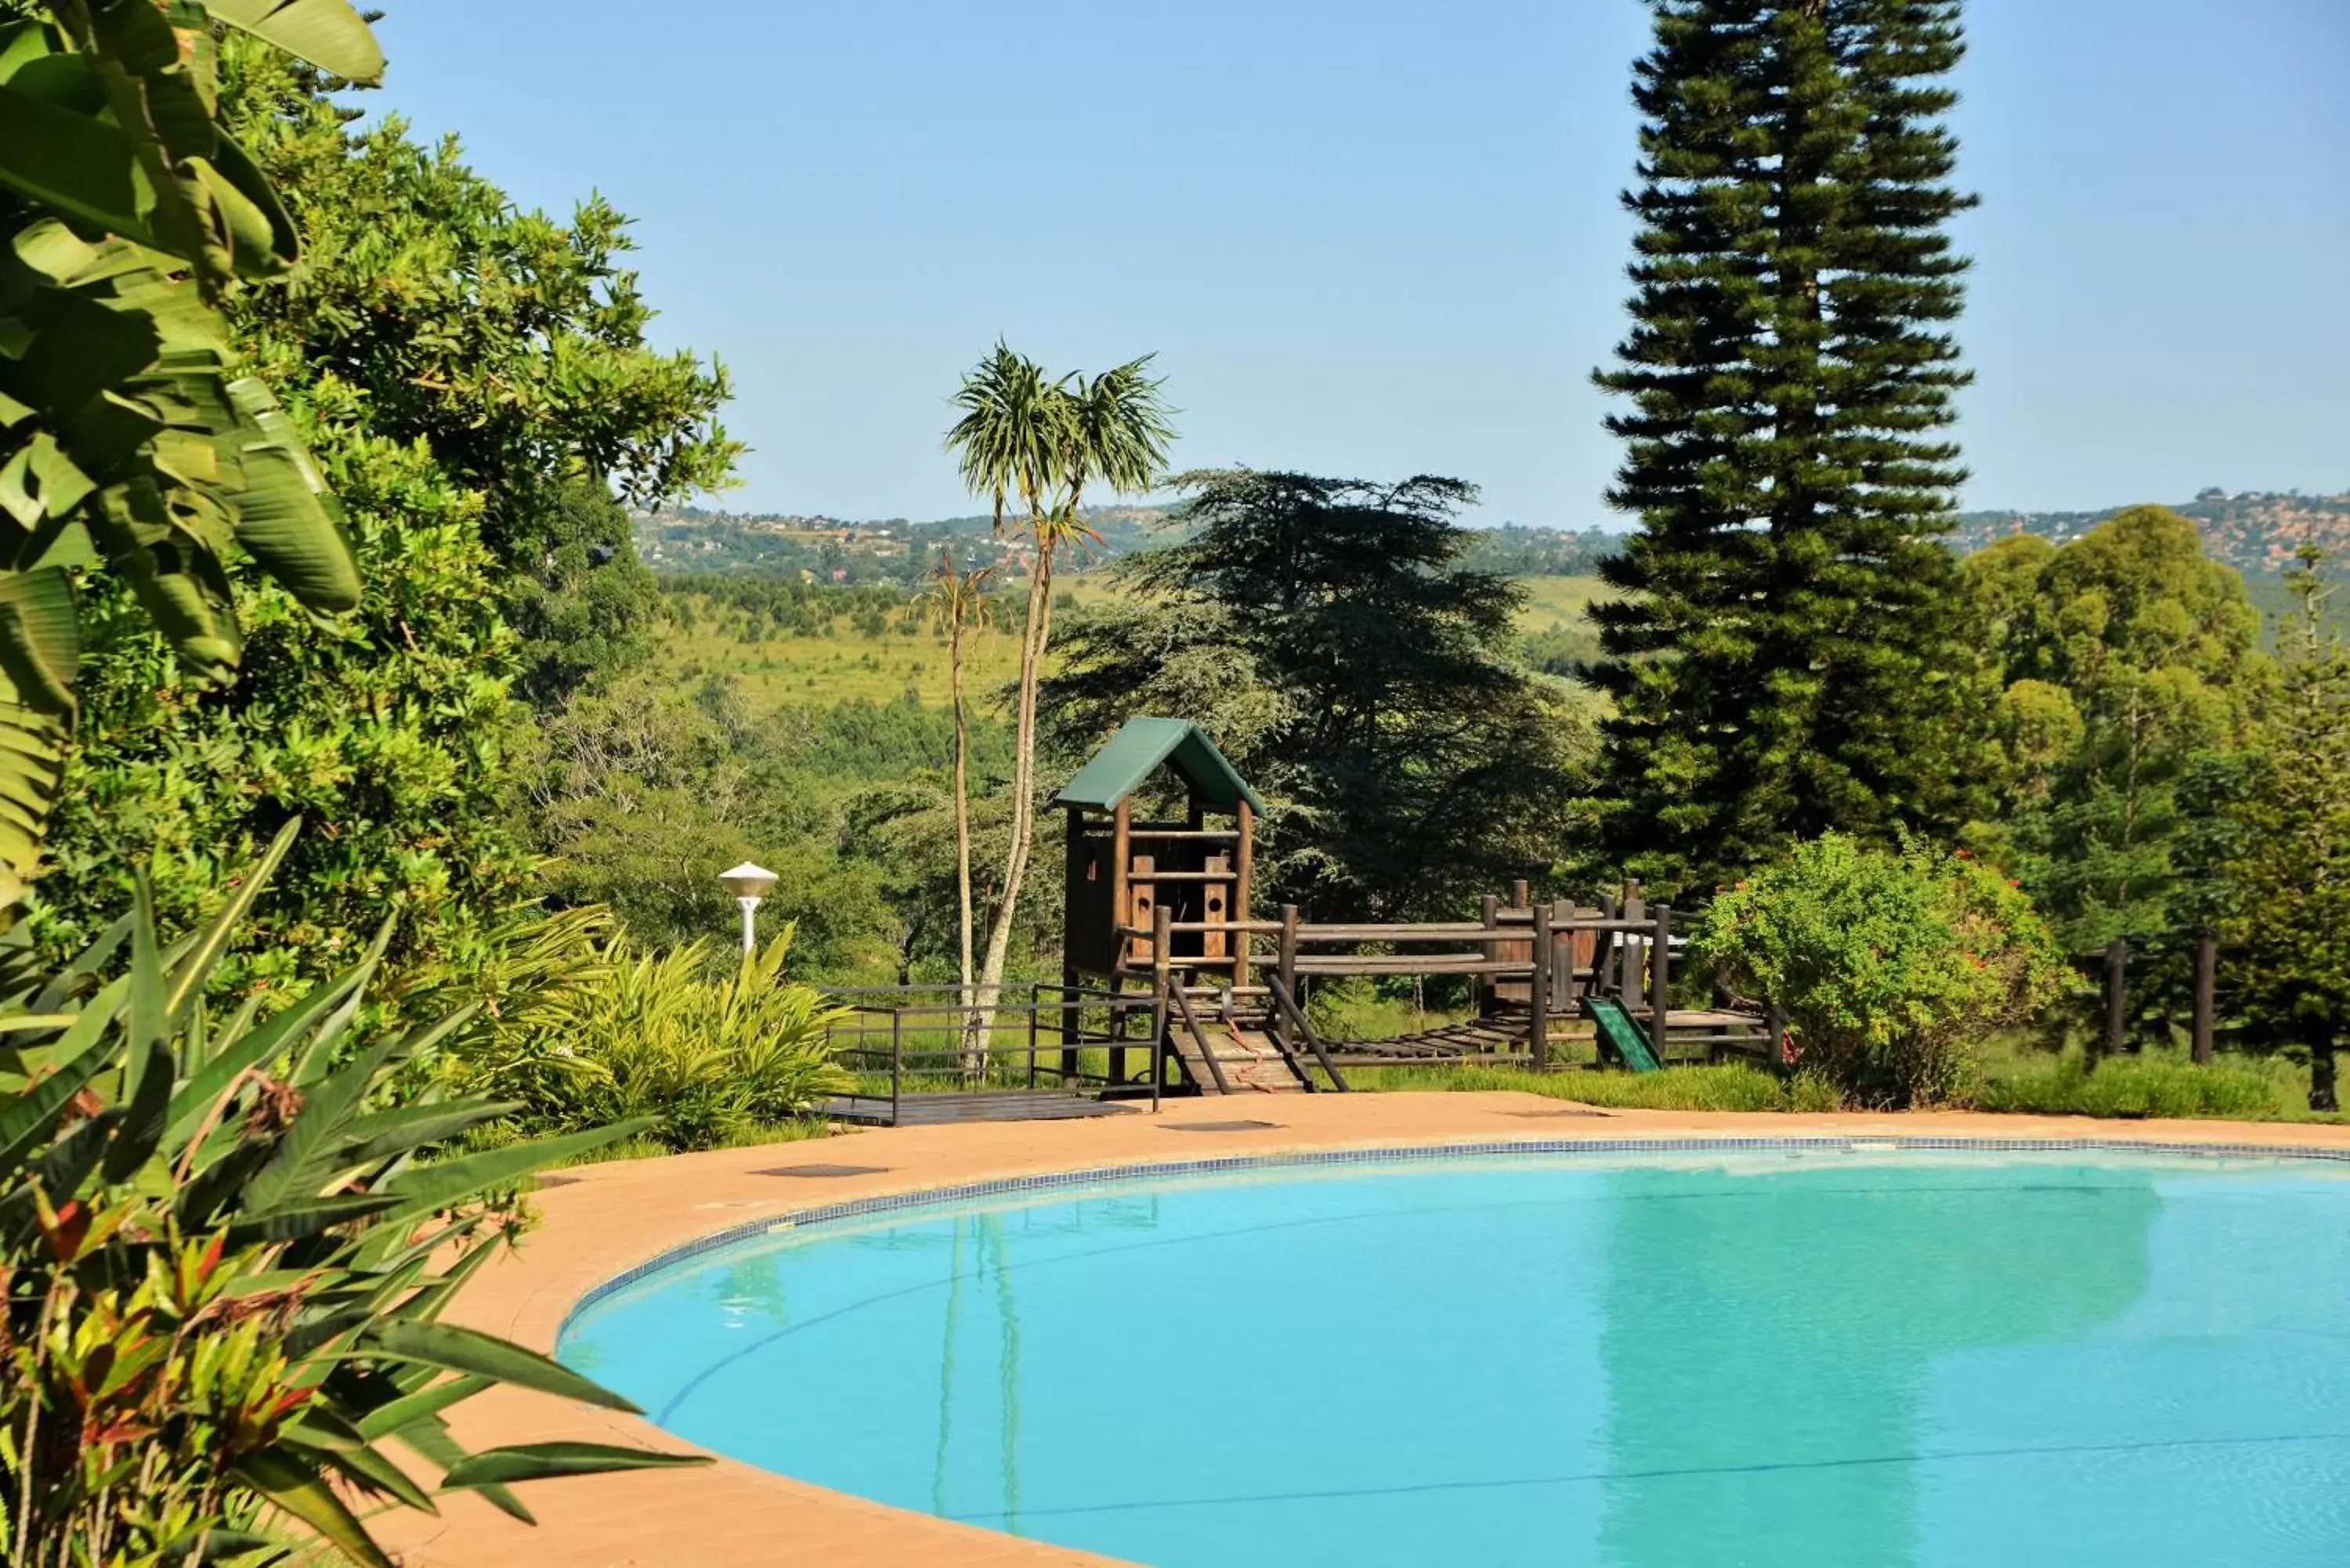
[(1785, 1356)]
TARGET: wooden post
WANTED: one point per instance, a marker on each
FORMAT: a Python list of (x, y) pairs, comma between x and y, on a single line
[(1518, 894), (1072, 1020), (1538, 995), (1121, 849), (2207, 993), (1562, 947), (2116, 995), (1628, 970), (1243, 878), (1489, 913), (1776, 1023), (1286, 961), (1660, 965), (1162, 982)]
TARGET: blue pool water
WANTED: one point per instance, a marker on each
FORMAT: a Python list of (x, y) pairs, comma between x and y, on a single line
[(1806, 1359)]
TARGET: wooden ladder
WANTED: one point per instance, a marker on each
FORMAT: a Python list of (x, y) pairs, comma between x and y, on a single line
[(1231, 1054)]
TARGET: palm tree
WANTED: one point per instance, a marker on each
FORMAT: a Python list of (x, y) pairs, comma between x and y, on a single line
[(1026, 440), (958, 602)]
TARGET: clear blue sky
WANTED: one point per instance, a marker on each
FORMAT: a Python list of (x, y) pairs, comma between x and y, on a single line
[(1381, 238)]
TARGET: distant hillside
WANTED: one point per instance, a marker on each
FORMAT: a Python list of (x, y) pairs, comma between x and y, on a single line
[(677, 540), (2255, 531)]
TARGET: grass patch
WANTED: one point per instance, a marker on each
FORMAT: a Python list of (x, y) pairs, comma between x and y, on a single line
[(2014, 1082), (1728, 1086), (843, 663), (2144, 1086)]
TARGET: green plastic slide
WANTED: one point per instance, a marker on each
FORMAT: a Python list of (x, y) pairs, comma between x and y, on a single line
[(1622, 1032)]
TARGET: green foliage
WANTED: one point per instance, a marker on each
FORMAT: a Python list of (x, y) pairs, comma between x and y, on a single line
[(589, 610), (226, 1262), (1325, 633), (642, 793), (1888, 965), (2291, 866), (2128, 661), (698, 1061), (1784, 652), (466, 373), (130, 438), (2132, 1086)]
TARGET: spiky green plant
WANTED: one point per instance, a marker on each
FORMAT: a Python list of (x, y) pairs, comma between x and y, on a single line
[(227, 1252)]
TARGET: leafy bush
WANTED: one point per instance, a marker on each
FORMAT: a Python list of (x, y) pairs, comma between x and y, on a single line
[(1886, 964), (2127, 1086), (702, 1062), (226, 1258)]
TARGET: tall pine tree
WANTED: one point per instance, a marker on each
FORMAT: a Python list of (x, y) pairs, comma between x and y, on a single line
[(1784, 656)]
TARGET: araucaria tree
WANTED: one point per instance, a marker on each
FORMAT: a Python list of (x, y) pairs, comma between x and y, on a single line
[(2292, 871), (1329, 636), (1782, 655)]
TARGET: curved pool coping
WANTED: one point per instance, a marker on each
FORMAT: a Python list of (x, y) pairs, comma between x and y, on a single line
[(607, 1227)]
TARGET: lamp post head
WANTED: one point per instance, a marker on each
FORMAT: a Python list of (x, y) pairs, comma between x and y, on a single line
[(748, 881)]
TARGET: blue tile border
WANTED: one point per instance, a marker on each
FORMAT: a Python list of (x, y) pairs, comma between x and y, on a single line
[(1097, 1176)]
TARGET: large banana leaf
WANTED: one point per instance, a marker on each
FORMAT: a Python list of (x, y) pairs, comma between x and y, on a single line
[(125, 437), (328, 33)]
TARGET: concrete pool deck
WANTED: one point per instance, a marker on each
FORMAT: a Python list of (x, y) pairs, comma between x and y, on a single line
[(599, 1221)]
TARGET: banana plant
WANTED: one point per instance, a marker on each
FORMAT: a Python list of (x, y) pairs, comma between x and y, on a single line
[(128, 437), (228, 1253)]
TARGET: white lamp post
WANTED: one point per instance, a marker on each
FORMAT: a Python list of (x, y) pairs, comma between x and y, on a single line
[(749, 884)]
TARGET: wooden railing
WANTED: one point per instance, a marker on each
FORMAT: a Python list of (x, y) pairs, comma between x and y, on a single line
[(1630, 945)]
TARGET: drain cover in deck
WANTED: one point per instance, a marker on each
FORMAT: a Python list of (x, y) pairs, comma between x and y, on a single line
[(823, 1170), (1216, 1127)]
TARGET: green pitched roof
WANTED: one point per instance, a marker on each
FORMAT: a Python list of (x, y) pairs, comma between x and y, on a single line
[(1135, 752)]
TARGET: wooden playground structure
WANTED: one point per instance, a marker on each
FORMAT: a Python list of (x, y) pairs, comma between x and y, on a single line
[(1172, 985)]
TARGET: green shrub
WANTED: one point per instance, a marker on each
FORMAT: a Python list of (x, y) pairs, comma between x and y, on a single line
[(225, 1246), (2149, 1086), (703, 1061), (1887, 964)]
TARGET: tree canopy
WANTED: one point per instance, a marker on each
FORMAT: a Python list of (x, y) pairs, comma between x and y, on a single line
[(471, 377), (2125, 663), (1325, 633)]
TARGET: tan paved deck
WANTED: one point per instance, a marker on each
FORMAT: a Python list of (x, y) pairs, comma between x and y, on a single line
[(601, 1220)]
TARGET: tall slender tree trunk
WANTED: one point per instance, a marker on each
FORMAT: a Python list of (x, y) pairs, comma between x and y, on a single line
[(974, 1053), (1033, 638)]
